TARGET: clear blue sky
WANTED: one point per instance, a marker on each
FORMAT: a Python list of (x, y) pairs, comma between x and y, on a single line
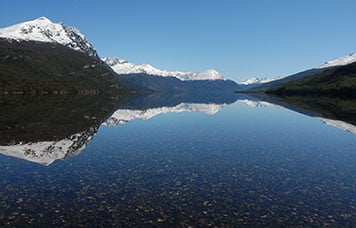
[(262, 38)]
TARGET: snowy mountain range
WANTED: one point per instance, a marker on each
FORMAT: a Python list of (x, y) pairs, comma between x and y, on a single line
[(44, 30), (122, 66)]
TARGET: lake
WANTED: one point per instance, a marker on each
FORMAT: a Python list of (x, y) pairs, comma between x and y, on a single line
[(175, 161)]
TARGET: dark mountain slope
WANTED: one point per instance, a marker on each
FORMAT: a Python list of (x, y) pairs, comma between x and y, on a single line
[(174, 85), (265, 86), (336, 82), (30, 67)]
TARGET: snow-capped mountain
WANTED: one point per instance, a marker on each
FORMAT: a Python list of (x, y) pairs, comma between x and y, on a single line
[(44, 30), (47, 152), (345, 60), (122, 116), (122, 66)]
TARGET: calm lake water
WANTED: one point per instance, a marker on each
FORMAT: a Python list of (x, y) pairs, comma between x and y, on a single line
[(188, 164)]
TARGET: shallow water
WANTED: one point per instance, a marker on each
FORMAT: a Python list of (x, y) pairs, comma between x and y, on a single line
[(224, 166)]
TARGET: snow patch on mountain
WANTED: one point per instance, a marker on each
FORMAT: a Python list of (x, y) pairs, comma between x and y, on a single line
[(44, 30), (122, 116), (254, 80), (340, 61), (210, 74), (122, 66)]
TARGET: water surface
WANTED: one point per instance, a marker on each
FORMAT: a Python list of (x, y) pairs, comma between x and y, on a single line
[(181, 163)]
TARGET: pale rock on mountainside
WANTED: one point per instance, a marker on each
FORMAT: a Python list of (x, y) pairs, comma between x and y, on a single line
[(44, 30), (122, 66), (345, 60)]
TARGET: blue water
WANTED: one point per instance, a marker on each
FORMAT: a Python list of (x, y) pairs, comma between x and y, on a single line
[(242, 166)]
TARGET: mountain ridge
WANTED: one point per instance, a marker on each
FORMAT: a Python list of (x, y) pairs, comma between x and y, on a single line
[(121, 66), (327, 66), (334, 82)]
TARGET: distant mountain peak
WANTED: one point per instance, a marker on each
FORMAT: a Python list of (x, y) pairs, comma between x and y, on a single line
[(43, 29), (43, 19), (122, 66)]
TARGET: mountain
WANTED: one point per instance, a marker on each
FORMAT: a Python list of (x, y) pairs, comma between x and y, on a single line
[(265, 86), (42, 57), (174, 85), (44, 30), (149, 78), (334, 82), (121, 66), (326, 67)]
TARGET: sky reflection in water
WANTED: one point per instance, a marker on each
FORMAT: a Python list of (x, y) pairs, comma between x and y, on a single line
[(243, 165)]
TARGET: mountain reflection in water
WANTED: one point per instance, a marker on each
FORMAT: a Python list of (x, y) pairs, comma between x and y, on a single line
[(45, 129), (336, 112)]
